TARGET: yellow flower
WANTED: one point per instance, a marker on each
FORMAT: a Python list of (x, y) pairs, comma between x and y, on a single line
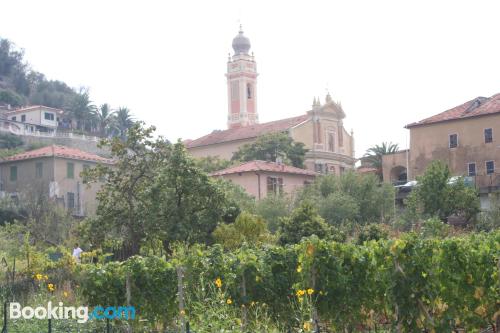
[(307, 326), (252, 304), (65, 293), (310, 291), (218, 282), (51, 287), (183, 312), (300, 293), (45, 277), (229, 301), (38, 276), (299, 269)]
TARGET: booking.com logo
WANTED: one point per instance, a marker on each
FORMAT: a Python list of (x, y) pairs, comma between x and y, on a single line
[(81, 313)]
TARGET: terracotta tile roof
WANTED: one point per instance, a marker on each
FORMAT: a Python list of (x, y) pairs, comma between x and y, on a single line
[(58, 151), (479, 106), (258, 165), (34, 107), (246, 132)]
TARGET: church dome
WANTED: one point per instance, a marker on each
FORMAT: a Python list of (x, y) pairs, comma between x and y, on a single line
[(241, 43)]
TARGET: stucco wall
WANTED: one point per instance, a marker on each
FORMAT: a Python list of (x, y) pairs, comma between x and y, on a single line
[(431, 142), (250, 182), (223, 150), (53, 170)]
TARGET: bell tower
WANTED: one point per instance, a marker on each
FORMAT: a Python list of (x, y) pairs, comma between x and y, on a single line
[(241, 84)]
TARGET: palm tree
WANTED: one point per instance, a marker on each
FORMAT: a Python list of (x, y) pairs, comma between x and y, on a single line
[(81, 110), (373, 155), (104, 116), (123, 120)]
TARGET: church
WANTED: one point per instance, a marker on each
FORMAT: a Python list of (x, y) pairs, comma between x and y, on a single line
[(330, 146)]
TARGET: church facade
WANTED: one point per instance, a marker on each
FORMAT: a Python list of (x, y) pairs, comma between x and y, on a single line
[(330, 146)]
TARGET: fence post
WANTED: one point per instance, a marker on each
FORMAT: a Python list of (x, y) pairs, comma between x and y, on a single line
[(188, 329), (4, 328), (128, 295), (180, 291), (50, 326), (108, 326)]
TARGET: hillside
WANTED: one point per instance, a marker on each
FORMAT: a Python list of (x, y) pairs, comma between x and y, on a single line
[(20, 85)]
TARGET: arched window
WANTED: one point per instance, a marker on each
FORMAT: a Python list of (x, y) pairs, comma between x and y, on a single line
[(249, 91), (331, 141)]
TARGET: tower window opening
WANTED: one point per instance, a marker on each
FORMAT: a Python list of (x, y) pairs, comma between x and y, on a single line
[(249, 91)]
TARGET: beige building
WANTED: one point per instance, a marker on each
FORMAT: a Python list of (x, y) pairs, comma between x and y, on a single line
[(261, 178), (466, 137), (32, 119), (53, 170), (321, 130)]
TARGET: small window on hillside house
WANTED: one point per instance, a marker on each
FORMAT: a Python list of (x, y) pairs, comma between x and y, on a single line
[(13, 173), (453, 140), (49, 116), (490, 167), (23, 118), (274, 185), (70, 170), (71, 200), (39, 170), (488, 135), (13, 118), (472, 169)]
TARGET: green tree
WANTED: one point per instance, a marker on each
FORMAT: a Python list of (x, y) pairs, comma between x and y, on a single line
[(351, 196), (436, 196), (122, 122), (339, 207), (304, 222), (270, 147), (248, 228), (124, 196), (273, 208), (185, 203), (104, 117), (81, 110), (373, 155)]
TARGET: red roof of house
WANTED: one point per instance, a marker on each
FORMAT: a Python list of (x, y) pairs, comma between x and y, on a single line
[(58, 151), (34, 107), (246, 132), (257, 165), (479, 106)]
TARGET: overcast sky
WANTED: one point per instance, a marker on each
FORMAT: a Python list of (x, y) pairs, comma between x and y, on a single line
[(388, 62)]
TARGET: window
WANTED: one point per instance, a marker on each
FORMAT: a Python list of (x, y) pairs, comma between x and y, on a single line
[(23, 118), (318, 167), (249, 91), (48, 116), (488, 135), (490, 167), (235, 90), (331, 141), (71, 200), (13, 173), (70, 170), (274, 185), (13, 118), (342, 170), (39, 170), (472, 169), (453, 140)]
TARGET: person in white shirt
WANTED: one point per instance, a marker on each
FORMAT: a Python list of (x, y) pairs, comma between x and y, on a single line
[(77, 251)]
